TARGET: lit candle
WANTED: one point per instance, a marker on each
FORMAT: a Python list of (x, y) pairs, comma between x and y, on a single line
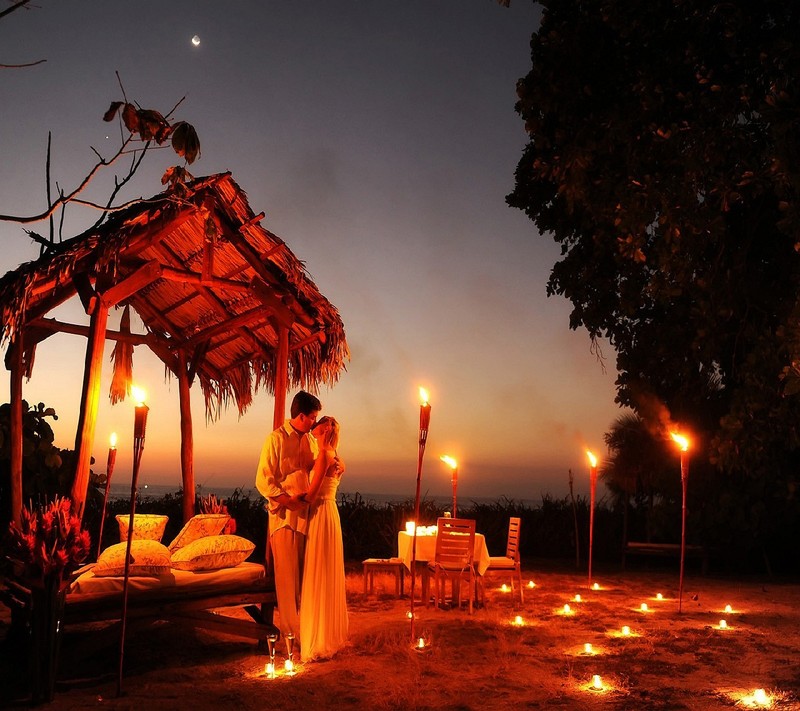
[(567, 609), (597, 682), (728, 609), (420, 643), (504, 587), (518, 620), (723, 624), (762, 698), (587, 648), (269, 670), (626, 631), (410, 528), (643, 607), (288, 666), (578, 597), (659, 596), (595, 586), (531, 584)]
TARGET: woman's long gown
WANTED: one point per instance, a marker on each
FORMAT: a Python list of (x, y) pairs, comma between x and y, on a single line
[(323, 603)]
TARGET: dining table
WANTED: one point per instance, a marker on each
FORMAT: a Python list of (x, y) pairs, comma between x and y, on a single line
[(426, 548)]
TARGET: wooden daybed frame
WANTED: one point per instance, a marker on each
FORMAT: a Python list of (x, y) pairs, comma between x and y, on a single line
[(203, 600)]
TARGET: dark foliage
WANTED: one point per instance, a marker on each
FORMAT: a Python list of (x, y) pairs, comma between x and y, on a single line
[(663, 158)]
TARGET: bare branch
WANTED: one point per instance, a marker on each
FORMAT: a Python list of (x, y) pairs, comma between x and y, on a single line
[(15, 6), (22, 66)]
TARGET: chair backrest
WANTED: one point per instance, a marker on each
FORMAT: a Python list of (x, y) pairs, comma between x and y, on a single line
[(512, 545), (455, 542)]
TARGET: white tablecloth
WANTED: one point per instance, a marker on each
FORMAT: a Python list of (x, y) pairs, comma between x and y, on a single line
[(426, 548)]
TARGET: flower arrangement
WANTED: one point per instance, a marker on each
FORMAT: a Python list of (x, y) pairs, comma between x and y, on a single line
[(49, 543), (211, 504)]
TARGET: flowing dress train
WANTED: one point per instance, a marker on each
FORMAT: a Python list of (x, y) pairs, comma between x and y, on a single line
[(323, 602)]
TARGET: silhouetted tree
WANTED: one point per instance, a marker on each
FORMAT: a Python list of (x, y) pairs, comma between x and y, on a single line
[(663, 158)]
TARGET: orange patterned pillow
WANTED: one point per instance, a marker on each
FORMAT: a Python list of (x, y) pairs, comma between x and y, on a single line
[(213, 553), (148, 558), (198, 527), (145, 526)]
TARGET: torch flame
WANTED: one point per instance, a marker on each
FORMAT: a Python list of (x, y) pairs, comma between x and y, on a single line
[(423, 396), (592, 458), (113, 440), (449, 461), (681, 441), (139, 395)]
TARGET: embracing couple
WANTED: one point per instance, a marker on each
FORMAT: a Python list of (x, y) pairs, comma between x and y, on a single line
[(299, 473)]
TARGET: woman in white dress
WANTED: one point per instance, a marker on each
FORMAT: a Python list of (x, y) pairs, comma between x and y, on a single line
[(323, 603)]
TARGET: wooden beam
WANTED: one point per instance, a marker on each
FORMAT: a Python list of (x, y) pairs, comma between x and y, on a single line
[(83, 286), (51, 325), (224, 326), (187, 438), (17, 369), (281, 377), (137, 280), (272, 301), (90, 399), (194, 278)]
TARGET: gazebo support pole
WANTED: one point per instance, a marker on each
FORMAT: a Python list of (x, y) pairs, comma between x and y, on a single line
[(281, 377), (187, 438), (17, 367), (90, 399)]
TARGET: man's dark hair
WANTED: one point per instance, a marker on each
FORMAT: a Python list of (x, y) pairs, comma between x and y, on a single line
[(305, 403)]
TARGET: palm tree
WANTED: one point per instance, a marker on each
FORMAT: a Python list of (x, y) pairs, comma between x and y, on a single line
[(635, 468)]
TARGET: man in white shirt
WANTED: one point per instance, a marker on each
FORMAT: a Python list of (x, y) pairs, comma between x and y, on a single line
[(286, 459)]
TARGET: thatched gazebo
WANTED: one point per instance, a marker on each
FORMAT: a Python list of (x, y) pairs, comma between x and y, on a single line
[(223, 301)]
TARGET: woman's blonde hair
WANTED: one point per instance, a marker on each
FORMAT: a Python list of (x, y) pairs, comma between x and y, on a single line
[(332, 435)]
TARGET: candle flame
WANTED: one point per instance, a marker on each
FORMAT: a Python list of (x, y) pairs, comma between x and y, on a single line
[(680, 440), (113, 440), (449, 461), (423, 396), (597, 682), (592, 458), (138, 394)]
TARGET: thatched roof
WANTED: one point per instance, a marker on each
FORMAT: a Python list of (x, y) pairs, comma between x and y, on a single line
[(207, 281)]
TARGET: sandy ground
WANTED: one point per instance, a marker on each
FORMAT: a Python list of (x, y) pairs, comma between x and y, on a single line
[(484, 661)]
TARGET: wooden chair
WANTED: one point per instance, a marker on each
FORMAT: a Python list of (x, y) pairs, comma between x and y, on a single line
[(508, 563), (453, 559)]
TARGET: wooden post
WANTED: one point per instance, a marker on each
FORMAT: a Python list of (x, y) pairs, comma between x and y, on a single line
[(187, 438), (281, 377), (90, 399), (17, 367)]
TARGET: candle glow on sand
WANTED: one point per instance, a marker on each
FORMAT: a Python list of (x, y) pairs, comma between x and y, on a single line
[(531, 584), (756, 699), (566, 611), (518, 621)]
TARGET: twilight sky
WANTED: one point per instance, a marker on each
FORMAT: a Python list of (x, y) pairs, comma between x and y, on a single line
[(380, 139)]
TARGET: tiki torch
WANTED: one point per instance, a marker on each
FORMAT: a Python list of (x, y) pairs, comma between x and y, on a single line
[(424, 421), (453, 464), (592, 487), (112, 458), (683, 443), (139, 426)]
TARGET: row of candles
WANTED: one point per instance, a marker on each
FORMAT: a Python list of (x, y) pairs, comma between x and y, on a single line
[(759, 698)]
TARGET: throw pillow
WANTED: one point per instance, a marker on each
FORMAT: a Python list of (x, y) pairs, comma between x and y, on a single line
[(212, 553), (145, 526), (148, 558), (199, 526)]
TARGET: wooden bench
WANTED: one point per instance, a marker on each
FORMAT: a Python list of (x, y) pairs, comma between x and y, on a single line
[(392, 566), (669, 550)]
